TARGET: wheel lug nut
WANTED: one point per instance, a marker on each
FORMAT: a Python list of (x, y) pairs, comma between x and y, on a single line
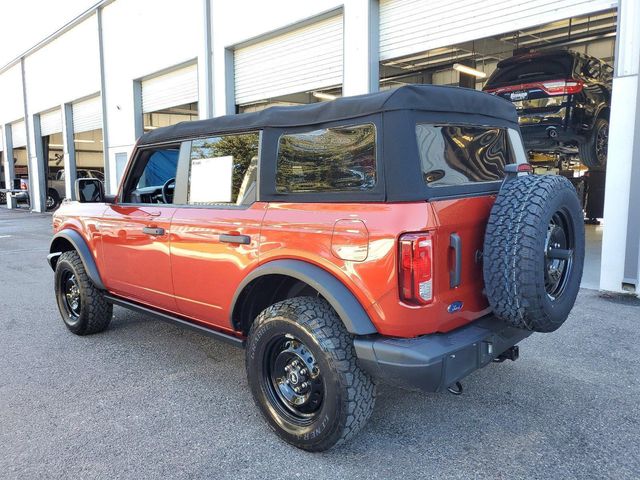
[(303, 371)]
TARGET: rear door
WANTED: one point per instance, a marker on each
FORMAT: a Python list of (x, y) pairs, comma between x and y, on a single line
[(216, 235)]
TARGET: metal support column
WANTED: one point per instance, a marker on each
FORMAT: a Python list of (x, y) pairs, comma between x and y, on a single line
[(9, 166), (69, 151)]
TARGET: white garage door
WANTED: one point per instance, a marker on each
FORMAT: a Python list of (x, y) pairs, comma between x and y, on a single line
[(178, 87), (412, 26), (301, 60), (87, 115), (50, 122), (18, 134)]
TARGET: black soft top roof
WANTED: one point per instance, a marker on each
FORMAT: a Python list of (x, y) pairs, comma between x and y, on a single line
[(427, 98)]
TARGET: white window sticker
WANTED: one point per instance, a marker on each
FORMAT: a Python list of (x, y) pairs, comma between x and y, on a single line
[(210, 180)]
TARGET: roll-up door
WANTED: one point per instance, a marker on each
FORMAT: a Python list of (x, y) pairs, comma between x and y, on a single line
[(50, 122), (87, 115), (301, 60), (412, 26), (18, 134), (172, 89)]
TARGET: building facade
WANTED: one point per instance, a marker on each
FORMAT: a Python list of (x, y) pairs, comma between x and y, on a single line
[(124, 67)]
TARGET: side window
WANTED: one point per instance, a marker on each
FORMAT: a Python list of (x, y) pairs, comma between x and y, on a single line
[(458, 155), (333, 159), (150, 179), (223, 170)]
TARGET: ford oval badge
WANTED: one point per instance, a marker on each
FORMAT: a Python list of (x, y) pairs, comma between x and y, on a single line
[(454, 307)]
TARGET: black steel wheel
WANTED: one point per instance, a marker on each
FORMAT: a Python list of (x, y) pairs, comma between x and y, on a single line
[(82, 306), (292, 378), (303, 374), (71, 295), (534, 252)]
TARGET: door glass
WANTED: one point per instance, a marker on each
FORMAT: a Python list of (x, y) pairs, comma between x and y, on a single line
[(223, 170), (153, 178)]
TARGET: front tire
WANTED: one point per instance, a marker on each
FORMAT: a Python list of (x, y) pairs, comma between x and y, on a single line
[(52, 200), (302, 371), (82, 306)]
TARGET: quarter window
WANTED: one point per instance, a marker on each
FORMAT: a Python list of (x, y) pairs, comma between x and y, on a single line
[(334, 159), (457, 155), (223, 170)]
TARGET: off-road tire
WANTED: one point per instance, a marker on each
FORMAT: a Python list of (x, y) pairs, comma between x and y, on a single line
[(588, 151), (515, 249), (350, 392), (95, 312)]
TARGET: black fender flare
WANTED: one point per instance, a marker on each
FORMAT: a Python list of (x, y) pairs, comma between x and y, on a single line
[(355, 318), (80, 246)]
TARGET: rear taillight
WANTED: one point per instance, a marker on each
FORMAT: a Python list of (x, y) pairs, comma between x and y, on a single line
[(551, 87), (562, 87), (416, 268)]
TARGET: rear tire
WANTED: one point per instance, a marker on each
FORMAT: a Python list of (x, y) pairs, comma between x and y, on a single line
[(593, 153), (534, 252), (302, 371), (82, 306)]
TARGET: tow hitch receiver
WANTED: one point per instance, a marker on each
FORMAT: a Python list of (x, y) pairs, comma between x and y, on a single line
[(511, 353)]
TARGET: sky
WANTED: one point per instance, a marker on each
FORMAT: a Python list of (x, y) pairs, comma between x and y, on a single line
[(26, 22)]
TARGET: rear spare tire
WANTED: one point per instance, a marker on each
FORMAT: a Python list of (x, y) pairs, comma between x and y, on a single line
[(534, 252)]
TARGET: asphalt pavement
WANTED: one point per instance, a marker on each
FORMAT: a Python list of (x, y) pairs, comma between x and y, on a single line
[(147, 399)]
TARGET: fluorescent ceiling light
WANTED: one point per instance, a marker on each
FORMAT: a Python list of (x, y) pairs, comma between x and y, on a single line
[(324, 96), (468, 70), (56, 145), (150, 127), (80, 140)]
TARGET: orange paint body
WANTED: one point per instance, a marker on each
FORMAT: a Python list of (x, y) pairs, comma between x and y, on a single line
[(189, 272)]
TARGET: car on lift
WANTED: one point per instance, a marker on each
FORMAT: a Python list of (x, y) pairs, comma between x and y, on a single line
[(394, 237), (563, 100)]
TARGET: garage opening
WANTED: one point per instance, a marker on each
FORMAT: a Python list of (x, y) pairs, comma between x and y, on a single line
[(294, 67), (88, 139), (52, 148), (21, 164), (558, 76), (170, 98)]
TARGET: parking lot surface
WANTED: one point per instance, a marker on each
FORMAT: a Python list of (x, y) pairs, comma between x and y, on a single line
[(150, 400)]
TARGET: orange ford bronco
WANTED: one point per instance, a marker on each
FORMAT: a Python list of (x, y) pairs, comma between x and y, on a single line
[(396, 236)]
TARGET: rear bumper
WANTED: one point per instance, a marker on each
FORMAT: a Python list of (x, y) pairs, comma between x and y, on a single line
[(434, 362)]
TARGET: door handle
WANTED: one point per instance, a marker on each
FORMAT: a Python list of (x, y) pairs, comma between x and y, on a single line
[(153, 213), (239, 239), (153, 231), (454, 275)]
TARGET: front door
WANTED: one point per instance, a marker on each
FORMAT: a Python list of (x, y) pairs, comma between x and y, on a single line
[(215, 237), (136, 231)]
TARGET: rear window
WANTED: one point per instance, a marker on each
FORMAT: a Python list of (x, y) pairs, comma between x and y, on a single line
[(458, 155), (531, 70), (336, 159)]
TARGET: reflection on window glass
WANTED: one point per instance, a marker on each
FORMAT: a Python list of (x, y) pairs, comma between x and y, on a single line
[(223, 169), (160, 167), (331, 159), (456, 155)]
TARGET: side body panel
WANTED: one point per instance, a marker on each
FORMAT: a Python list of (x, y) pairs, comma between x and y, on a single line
[(306, 232)]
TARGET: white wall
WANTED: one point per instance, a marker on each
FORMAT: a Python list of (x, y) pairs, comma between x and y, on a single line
[(11, 103), (143, 37), (64, 70)]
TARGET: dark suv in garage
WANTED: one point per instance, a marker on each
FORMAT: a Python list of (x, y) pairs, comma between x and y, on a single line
[(562, 99)]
